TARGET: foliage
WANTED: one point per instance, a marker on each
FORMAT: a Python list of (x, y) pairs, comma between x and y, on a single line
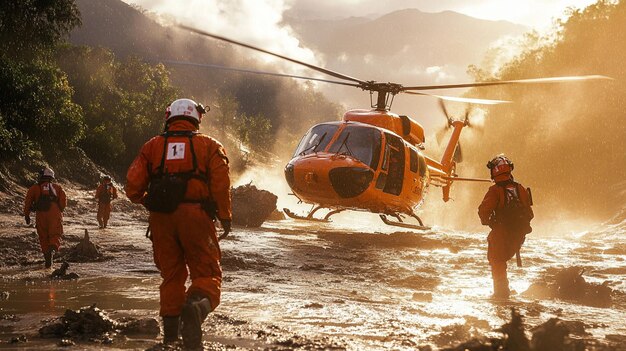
[(32, 27), (36, 108), (123, 101), (568, 138)]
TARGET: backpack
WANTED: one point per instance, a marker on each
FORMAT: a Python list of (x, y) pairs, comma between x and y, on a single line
[(106, 197), (46, 198), (167, 190), (514, 214)]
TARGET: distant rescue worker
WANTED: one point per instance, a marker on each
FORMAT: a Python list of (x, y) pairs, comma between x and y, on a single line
[(48, 200), (105, 193), (182, 177), (506, 209)]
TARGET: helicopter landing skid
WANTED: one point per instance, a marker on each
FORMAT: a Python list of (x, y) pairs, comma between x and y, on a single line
[(399, 223), (310, 217)]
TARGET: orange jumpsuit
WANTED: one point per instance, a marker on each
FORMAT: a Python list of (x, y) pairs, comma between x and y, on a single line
[(186, 238), (49, 223), (104, 202), (503, 243)]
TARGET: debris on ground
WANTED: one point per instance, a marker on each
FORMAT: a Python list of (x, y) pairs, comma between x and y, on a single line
[(251, 206), (553, 335), (84, 251), (570, 285), (93, 324), (61, 273)]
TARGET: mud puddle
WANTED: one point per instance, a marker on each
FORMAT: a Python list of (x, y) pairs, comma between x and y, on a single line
[(289, 285)]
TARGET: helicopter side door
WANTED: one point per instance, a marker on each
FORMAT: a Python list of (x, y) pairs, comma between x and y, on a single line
[(391, 176)]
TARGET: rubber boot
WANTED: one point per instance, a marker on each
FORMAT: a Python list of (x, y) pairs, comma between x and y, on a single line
[(195, 311), (170, 329), (47, 256)]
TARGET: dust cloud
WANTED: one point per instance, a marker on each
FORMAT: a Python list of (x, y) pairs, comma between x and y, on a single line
[(566, 140)]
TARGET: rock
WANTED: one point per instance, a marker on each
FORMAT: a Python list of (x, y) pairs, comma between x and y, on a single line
[(569, 284), (514, 330), (85, 323), (550, 335), (276, 215), (251, 206), (61, 273), (4, 295), (84, 251)]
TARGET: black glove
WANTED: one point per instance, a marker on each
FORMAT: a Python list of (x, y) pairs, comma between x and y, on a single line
[(27, 219), (226, 224)]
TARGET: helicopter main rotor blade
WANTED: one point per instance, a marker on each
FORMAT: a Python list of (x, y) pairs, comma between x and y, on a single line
[(509, 82), (461, 99), (206, 65), (313, 67)]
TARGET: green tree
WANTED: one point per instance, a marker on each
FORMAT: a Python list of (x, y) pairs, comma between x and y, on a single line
[(33, 27)]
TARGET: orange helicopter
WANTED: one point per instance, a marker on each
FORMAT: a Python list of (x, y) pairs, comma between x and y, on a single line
[(372, 160)]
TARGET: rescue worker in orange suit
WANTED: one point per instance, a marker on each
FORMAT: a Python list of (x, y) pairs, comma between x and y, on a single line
[(182, 177), (105, 193), (506, 209), (48, 200)]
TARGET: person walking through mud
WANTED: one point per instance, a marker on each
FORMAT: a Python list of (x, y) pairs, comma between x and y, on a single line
[(105, 193), (506, 209), (48, 200), (182, 178)]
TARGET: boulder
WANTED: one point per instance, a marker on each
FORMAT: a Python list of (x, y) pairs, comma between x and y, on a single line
[(251, 206)]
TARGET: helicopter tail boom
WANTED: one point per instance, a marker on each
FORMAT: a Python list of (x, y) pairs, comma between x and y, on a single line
[(447, 160)]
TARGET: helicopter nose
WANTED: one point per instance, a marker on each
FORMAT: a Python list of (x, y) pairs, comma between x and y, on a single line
[(327, 178), (350, 181)]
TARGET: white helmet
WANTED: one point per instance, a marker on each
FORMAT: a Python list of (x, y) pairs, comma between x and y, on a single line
[(185, 108), (46, 172)]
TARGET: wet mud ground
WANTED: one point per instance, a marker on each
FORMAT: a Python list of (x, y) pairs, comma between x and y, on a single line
[(294, 285)]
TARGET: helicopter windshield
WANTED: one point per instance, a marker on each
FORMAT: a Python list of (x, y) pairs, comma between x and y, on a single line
[(362, 143), (316, 139)]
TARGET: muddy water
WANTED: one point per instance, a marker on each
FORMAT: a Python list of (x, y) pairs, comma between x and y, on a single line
[(349, 284)]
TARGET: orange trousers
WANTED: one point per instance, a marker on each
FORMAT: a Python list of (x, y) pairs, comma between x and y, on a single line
[(49, 226), (186, 240), (104, 213), (502, 247)]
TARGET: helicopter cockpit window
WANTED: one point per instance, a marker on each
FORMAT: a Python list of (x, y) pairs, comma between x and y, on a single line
[(362, 143), (316, 139)]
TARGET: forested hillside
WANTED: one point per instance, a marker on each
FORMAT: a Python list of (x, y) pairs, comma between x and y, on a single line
[(87, 109), (567, 141)]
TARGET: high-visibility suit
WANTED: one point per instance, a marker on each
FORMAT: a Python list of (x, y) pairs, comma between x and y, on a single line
[(503, 242), (186, 238), (105, 193), (49, 223)]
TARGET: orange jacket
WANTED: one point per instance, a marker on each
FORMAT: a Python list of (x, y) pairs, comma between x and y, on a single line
[(35, 191), (211, 160), (102, 188), (494, 199)]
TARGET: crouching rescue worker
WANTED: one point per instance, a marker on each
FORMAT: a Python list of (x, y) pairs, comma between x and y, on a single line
[(48, 200), (181, 176), (105, 193), (506, 209)]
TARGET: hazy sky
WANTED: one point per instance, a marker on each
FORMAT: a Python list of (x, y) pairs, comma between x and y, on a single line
[(535, 13)]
